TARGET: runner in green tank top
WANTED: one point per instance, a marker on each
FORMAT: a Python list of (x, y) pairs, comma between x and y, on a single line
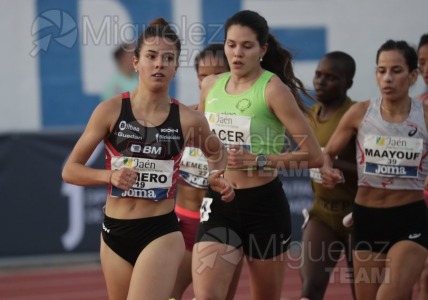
[(244, 119), (249, 109)]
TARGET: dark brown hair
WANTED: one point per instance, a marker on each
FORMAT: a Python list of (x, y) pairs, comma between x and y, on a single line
[(158, 28), (408, 52), (214, 50), (277, 59)]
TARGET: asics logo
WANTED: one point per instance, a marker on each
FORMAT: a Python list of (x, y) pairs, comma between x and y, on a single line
[(413, 131)]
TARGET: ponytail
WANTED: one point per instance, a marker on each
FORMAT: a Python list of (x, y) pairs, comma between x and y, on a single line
[(278, 60)]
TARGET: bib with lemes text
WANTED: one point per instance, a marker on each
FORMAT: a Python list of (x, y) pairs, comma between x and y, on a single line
[(194, 168)]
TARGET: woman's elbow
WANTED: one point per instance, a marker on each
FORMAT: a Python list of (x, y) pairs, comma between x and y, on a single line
[(66, 175)]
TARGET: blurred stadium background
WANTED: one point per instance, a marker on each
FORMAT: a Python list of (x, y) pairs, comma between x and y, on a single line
[(57, 56)]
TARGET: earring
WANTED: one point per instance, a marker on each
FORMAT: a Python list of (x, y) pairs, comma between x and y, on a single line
[(136, 71), (261, 58)]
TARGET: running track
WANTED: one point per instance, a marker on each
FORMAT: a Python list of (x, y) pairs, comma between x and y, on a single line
[(87, 282)]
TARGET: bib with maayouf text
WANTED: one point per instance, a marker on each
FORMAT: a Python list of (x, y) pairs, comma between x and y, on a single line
[(392, 156)]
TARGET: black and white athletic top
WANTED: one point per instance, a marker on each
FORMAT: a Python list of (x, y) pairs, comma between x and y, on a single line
[(154, 151)]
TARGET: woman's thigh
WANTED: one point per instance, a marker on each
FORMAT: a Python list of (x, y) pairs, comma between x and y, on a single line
[(117, 272), (156, 268)]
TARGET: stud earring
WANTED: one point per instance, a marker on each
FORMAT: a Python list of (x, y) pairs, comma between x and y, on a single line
[(261, 58)]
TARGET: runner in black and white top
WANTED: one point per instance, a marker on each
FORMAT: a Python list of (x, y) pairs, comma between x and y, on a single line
[(145, 133)]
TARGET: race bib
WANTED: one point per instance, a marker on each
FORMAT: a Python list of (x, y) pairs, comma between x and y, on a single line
[(153, 181), (194, 167), (231, 129), (392, 156), (315, 173)]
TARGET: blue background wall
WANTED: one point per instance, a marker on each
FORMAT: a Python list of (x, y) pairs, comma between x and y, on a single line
[(63, 100)]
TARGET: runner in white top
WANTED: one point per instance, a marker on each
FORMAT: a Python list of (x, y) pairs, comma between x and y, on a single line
[(389, 214)]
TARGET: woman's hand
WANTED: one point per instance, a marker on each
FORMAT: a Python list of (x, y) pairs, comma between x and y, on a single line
[(238, 157), (123, 178), (221, 185), (331, 177)]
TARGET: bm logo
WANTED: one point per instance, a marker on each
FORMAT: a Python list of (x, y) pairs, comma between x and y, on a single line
[(146, 149)]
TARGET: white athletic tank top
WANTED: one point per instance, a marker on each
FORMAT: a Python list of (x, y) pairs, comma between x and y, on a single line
[(392, 155)]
